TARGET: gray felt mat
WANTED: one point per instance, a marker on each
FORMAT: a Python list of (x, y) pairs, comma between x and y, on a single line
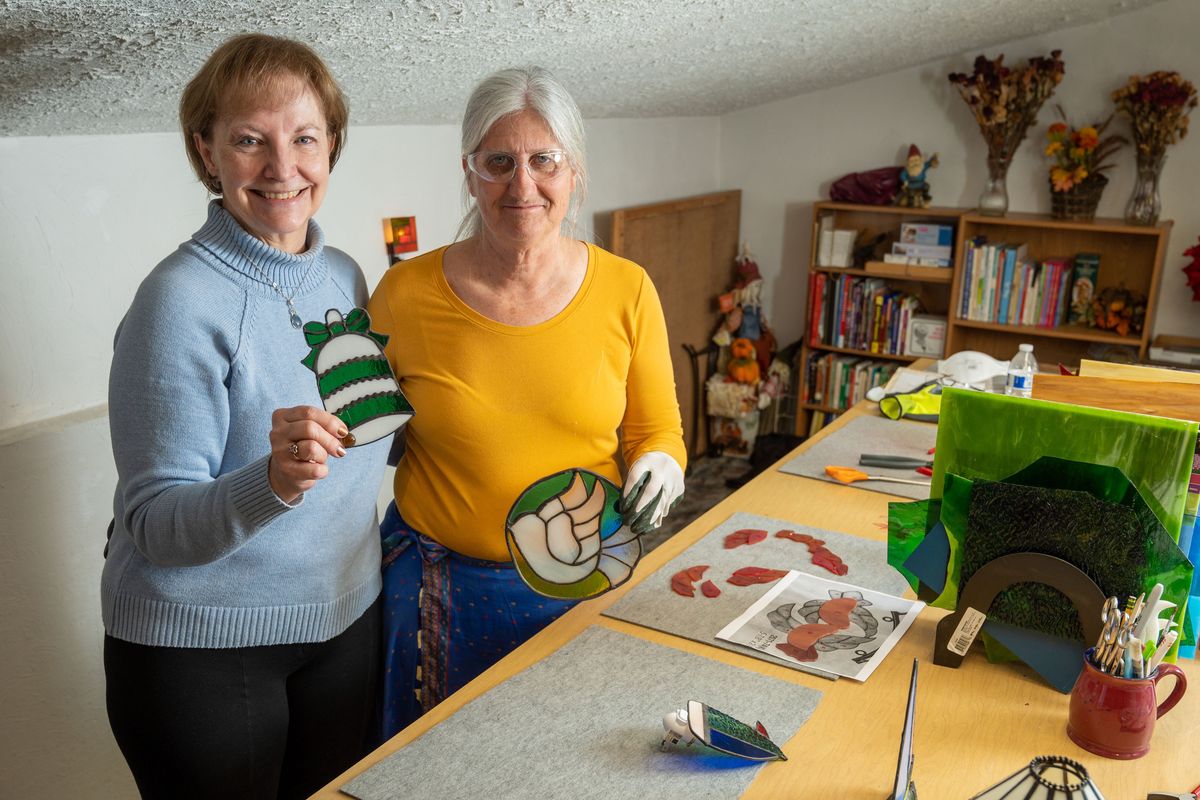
[(586, 722), (653, 604), (878, 435)]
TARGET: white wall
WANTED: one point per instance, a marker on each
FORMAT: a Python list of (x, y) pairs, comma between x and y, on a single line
[(784, 155), (82, 219)]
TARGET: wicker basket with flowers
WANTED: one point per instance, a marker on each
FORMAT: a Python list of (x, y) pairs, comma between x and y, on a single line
[(1080, 159)]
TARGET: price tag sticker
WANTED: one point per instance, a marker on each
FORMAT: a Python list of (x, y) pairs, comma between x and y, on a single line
[(967, 630)]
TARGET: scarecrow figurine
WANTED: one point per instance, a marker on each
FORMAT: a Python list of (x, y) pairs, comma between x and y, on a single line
[(914, 189)]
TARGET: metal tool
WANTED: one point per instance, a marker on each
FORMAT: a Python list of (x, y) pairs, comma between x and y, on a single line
[(1194, 794), (1114, 636), (898, 462)]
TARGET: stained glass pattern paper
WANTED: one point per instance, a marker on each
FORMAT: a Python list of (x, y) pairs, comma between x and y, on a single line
[(832, 626), (654, 603)]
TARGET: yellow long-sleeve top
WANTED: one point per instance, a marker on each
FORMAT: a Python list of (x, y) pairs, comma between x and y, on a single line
[(499, 407)]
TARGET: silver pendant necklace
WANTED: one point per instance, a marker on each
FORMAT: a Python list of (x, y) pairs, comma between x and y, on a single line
[(294, 315)]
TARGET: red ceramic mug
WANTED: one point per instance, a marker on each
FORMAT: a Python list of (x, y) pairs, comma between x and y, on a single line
[(1114, 717)]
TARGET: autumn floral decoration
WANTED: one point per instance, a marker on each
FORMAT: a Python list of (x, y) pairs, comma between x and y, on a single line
[(1079, 154), (1005, 100), (1157, 107)]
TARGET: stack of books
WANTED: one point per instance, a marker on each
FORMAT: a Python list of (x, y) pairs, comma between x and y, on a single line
[(839, 381), (1000, 283), (859, 313), (926, 244), (835, 246)]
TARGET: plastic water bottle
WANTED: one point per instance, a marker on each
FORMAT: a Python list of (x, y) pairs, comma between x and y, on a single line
[(1021, 370)]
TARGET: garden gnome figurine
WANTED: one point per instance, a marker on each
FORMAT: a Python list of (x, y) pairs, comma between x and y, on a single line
[(914, 189)]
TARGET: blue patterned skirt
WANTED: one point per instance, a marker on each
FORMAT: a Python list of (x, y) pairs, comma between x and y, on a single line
[(446, 618)]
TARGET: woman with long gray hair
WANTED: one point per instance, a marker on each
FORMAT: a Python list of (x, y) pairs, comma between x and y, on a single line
[(526, 352)]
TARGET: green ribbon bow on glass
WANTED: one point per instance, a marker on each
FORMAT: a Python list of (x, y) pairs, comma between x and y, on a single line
[(318, 333)]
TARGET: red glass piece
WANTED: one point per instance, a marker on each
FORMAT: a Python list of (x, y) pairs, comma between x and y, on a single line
[(748, 576), (803, 538), (682, 585), (823, 557), (681, 582), (744, 536)]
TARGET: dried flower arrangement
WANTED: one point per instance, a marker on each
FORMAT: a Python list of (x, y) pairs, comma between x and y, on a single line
[(1080, 153), (1157, 107), (1120, 310), (1006, 101)]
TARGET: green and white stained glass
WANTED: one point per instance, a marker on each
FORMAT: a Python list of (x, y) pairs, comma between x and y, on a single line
[(567, 539), (354, 377), (722, 732)]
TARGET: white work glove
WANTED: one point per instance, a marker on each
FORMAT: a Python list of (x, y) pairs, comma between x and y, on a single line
[(652, 487)]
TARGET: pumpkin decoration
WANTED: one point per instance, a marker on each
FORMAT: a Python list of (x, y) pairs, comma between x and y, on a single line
[(743, 366)]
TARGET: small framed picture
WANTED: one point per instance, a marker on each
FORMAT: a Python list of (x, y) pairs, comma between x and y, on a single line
[(926, 336)]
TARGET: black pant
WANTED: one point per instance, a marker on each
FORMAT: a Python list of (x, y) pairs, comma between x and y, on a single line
[(250, 722)]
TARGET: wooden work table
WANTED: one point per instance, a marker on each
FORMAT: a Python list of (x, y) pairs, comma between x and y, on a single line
[(974, 725)]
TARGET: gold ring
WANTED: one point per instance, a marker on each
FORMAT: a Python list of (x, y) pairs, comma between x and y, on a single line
[(294, 449)]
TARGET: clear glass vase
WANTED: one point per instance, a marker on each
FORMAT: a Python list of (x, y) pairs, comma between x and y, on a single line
[(994, 200), (1145, 203)]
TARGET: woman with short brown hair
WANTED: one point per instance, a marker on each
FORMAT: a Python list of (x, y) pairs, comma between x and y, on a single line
[(240, 588)]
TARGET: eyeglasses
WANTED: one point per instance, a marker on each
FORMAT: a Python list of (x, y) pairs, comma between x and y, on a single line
[(501, 167)]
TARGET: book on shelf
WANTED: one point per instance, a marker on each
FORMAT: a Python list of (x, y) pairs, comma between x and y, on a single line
[(825, 240), (927, 233), (941, 255), (838, 381), (1001, 284), (819, 420), (842, 247), (1083, 286), (858, 313)]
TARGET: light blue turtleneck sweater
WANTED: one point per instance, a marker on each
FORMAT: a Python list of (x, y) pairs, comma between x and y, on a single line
[(203, 554)]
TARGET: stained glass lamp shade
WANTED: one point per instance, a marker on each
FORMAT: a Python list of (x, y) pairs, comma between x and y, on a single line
[(1046, 778)]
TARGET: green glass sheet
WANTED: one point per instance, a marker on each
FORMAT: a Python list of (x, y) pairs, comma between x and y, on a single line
[(906, 530), (1086, 514), (955, 503), (988, 436)]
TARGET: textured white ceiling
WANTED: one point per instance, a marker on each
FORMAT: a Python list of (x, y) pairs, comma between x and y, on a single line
[(105, 66)]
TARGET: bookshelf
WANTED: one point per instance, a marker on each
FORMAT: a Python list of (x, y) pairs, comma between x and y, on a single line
[(836, 368), (1129, 255)]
